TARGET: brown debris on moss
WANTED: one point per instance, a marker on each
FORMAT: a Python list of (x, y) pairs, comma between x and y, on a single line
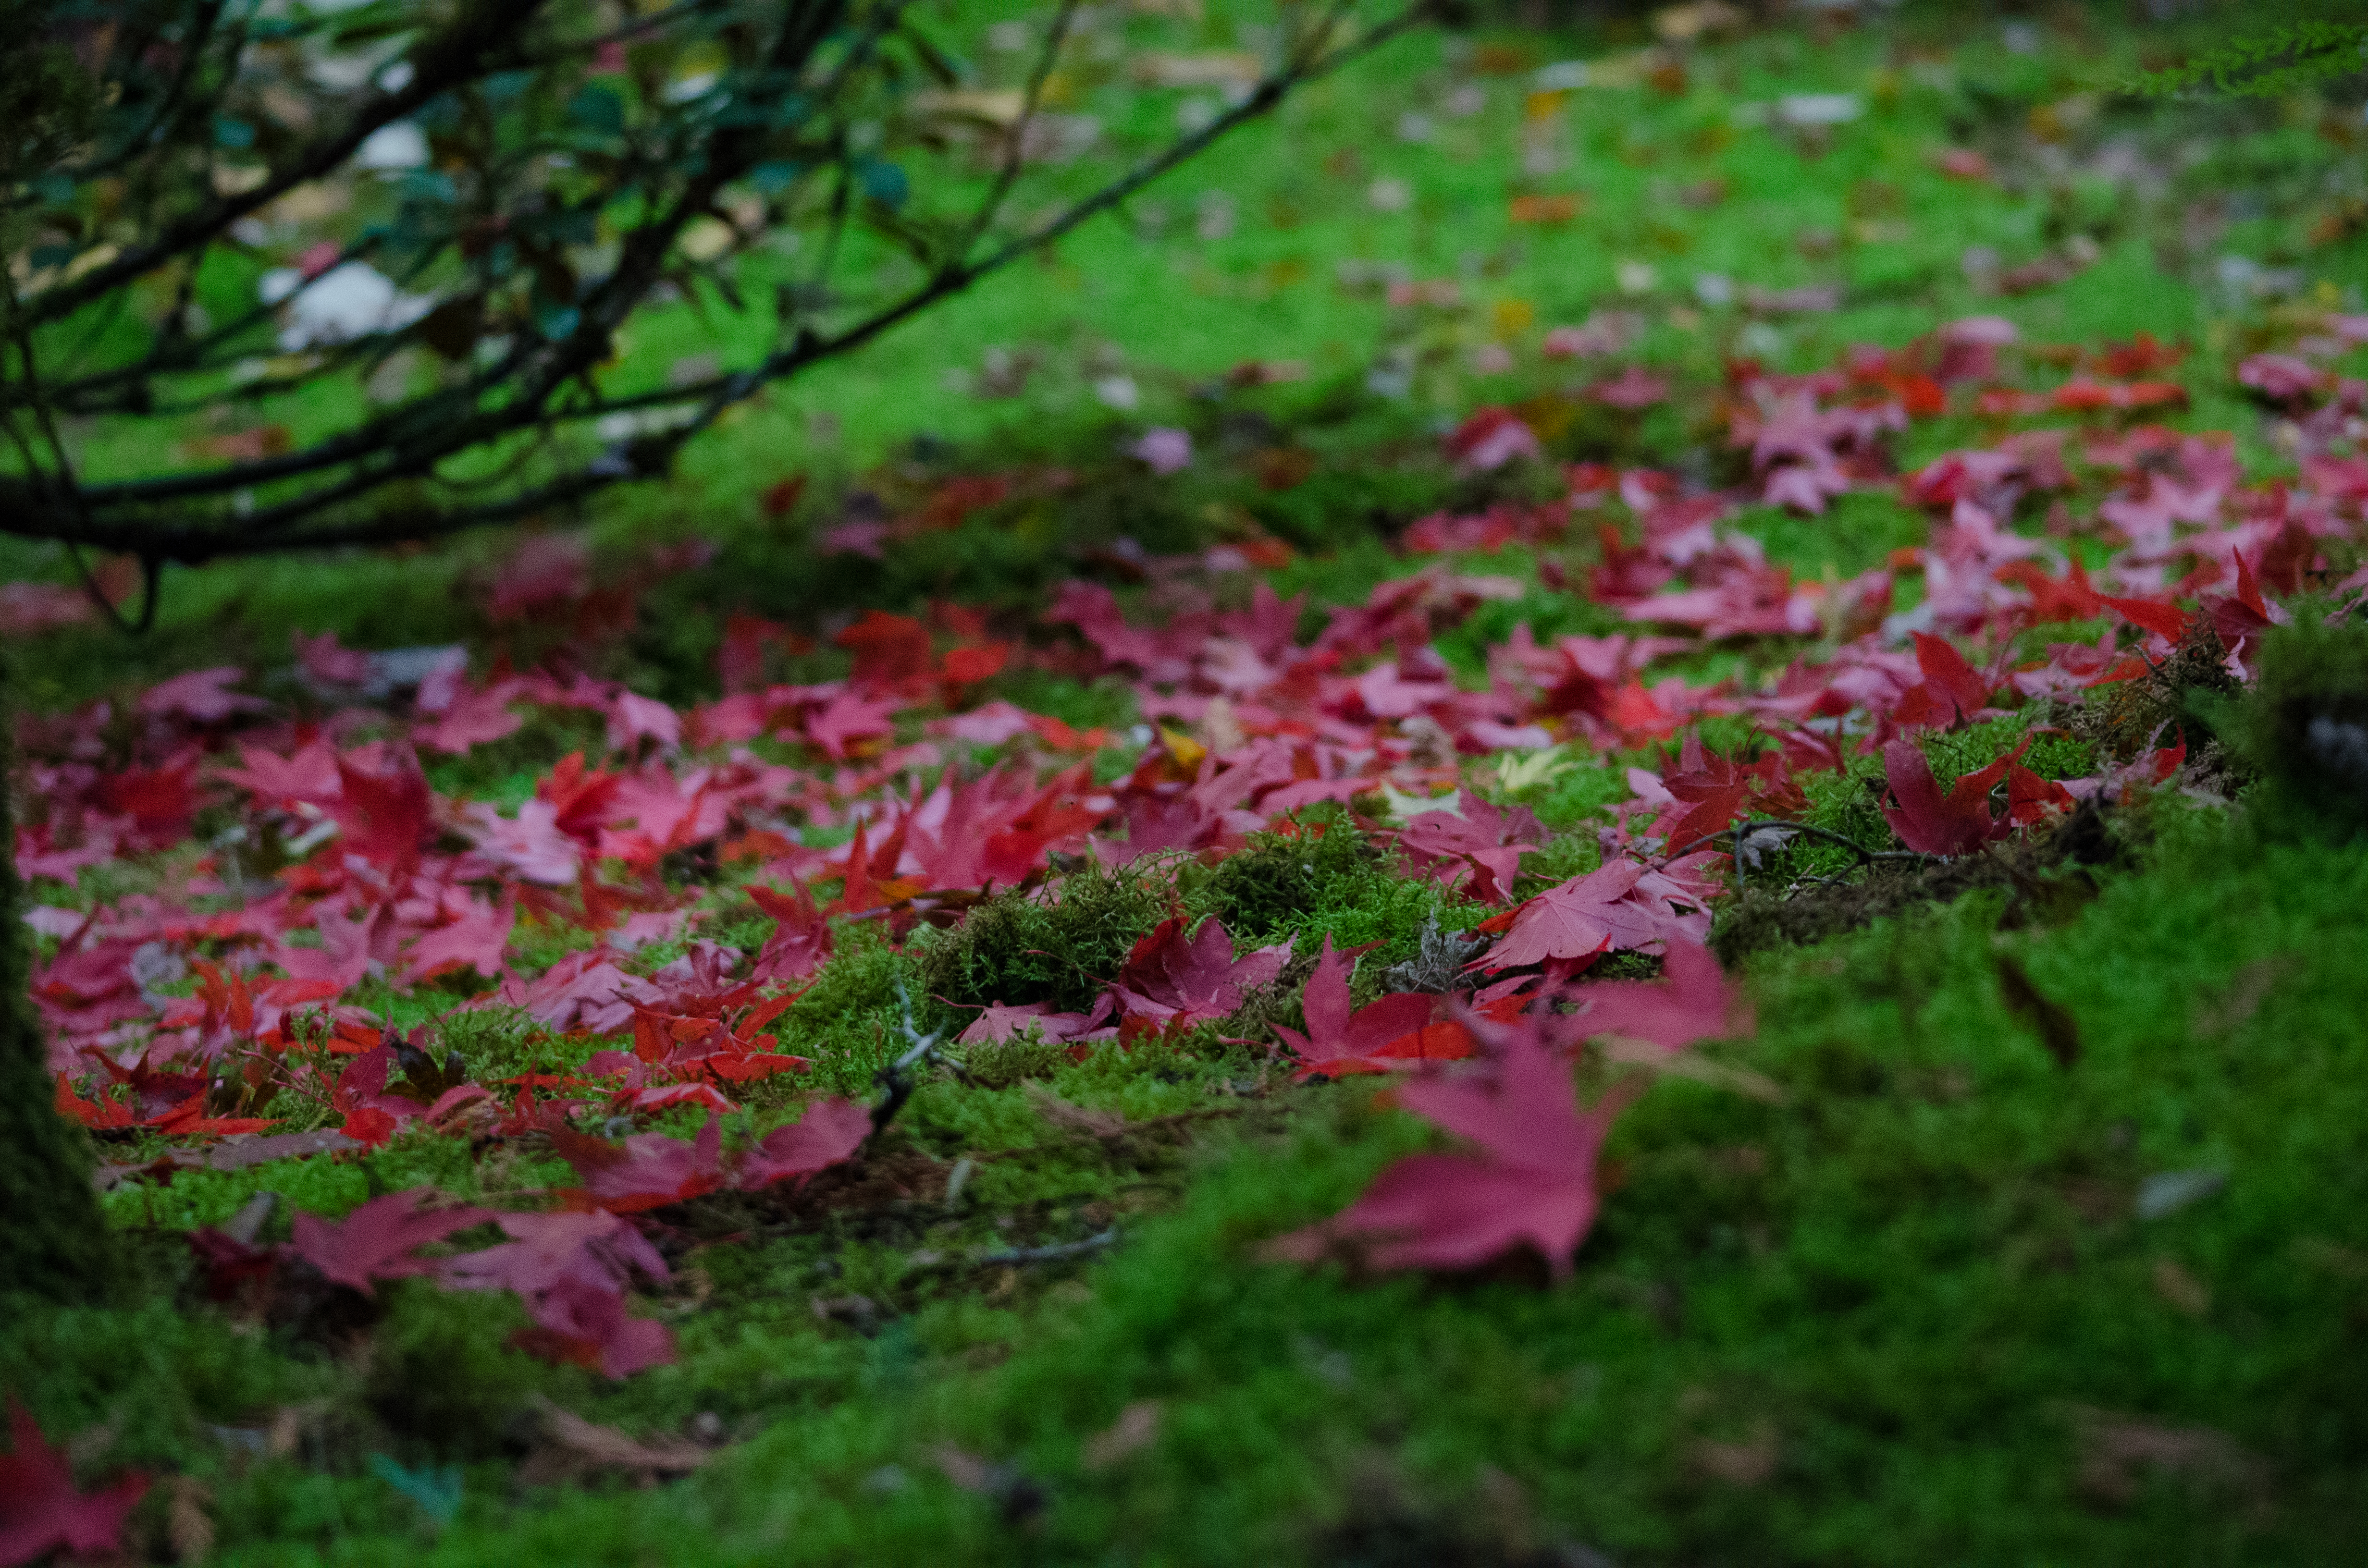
[(2046, 873)]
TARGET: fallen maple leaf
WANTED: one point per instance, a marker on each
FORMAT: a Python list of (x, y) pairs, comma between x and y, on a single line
[(1487, 840), (376, 1241), (41, 1512), (1930, 823), (800, 940), (1169, 978), (1373, 1038), (998, 1022), (828, 1134), (1533, 1185), (572, 1270), (383, 816), (1577, 920), (647, 1171), (577, 1323), (1693, 1001)]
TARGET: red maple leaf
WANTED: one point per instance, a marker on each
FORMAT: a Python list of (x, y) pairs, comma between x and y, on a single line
[(2051, 600), (1169, 978), (647, 1171), (572, 1270), (580, 798), (1930, 823), (1948, 676), (385, 816), (1693, 1001), (889, 649), (1716, 791), (828, 1134), (100, 1113), (376, 1241), (2030, 797), (871, 883), (1389, 1033), (2165, 621), (189, 1119), (1534, 1183), (373, 1115), (2240, 618), (41, 1512), (801, 938)]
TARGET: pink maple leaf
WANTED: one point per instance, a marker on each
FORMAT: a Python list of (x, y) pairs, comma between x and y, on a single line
[(41, 1512), (476, 940), (1534, 1182), (828, 1134), (1393, 1032), (596, 1249), (847, 718), (330, 662), (647, 1171), (582, 991), (349, 952), (1634, 388), (572, 1270), (634, 719), (473, 718), (1693, 1001), (201, 697), (998, 1021), (577, 1323), (1492, 437), (311, 775), (1169, 978), (376, 1241), (1577, 920), (28, 609), (531, 846)]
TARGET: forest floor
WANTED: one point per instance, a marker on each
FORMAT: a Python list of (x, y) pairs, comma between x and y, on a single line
[(843, 1013)]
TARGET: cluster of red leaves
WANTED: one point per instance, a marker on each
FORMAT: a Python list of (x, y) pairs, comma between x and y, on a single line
[(382, 879), (571, 1269)]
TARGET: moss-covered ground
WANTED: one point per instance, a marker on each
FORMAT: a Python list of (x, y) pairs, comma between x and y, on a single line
[(1959, 1286)]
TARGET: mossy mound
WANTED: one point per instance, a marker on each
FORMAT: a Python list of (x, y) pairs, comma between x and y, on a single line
[(2305, 728)]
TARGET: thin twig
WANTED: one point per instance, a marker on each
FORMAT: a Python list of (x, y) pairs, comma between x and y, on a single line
[(1059, 1253), (409, 443), (1737, 832), (896, 1078)]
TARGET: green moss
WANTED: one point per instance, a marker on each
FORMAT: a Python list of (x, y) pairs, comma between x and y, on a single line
[(2303, 726), (440, 1377), (1062, 945), (1285, 881)]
